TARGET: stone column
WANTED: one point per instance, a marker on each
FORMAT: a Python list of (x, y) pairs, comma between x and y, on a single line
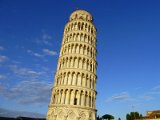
[(57, 96), (78, 79), (78, 98), (59, 99), (62, 98), (95, 84), (89, 66), (69, 79), (83, 81), (65, 79), (67, 97), (88, 83), (72, 97), (87, 101), (91, 83), (62, 80), (91, 102), (67, 63), (74, 79), (83, 99)]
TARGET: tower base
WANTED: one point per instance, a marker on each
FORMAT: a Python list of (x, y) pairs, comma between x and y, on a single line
[(70, 113)]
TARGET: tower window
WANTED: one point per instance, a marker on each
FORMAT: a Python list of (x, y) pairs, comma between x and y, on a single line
[(75, 101)]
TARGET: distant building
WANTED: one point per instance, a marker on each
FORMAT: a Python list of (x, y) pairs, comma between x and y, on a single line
[(151, 115)]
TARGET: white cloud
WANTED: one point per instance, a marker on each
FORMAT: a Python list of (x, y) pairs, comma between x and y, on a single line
[(124, 96), (1, 48), (29, 92), (49, 52), (25, 72), (29, 51), (35, 54), (45, 52), (45, 39), (2, 77), (155, 90), (3, 58), (2, 88), (147, 97), (151, 94)]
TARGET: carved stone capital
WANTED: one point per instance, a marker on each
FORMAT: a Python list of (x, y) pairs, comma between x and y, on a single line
[(65, 117), (77, 118)]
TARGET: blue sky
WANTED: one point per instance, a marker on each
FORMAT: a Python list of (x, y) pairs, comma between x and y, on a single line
[(128, 53)]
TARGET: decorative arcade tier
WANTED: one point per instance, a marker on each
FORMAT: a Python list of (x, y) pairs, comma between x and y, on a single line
[(74, 92)]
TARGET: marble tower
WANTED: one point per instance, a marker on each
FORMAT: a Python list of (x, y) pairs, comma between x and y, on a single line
[(74, 91)]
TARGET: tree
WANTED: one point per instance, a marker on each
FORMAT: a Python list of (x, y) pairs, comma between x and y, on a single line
[(99, 118), (119, 118), (136, 115), (128, 117), (140, 115), (107, 117), (133, 116)]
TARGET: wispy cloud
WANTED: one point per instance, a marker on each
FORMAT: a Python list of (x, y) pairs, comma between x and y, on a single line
[(2, 77), (152, 94), (1, 48), (45, 39), (37, 55), (14, 113), (124, 96), (22, 71), (154, 91), (147, 97), (49, 52), (43, 54), (1, 88), (156, 88), (34, 53), (29, 92), (31, 85), (3, 58)]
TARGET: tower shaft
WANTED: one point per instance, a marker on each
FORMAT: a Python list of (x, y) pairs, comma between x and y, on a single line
[(74, 91)]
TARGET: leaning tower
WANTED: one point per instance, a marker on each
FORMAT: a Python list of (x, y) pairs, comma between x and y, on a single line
[(74, 91)]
